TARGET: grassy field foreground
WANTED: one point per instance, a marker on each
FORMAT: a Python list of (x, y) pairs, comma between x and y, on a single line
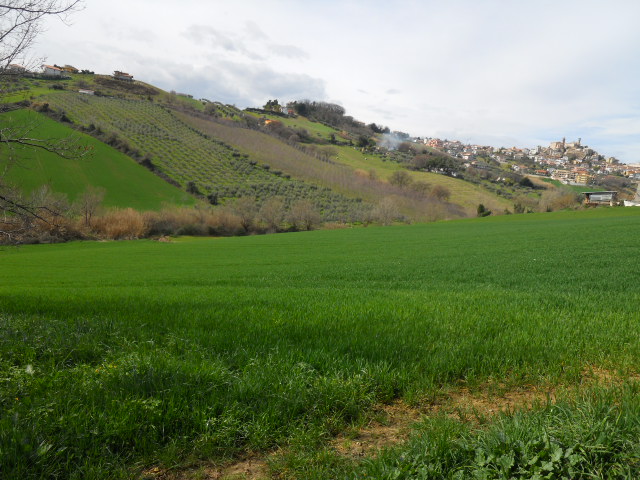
[(119, 356)]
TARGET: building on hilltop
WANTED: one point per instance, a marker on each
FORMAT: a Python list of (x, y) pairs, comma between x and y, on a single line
[(436, 143), (558, 146), (575, 145), (118, 75), (51, 71), (15, 68)]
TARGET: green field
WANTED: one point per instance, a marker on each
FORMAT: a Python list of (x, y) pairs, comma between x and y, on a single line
[(315, 129), (126, 183), (574, 188), (117, 357)]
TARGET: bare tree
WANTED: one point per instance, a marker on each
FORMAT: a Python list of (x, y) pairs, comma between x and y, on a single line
[(246, 209), (272, 213), (303, 215), (20, 216), (20, 23), (387, 211), (400, 178), (89, 202), (440, 192)]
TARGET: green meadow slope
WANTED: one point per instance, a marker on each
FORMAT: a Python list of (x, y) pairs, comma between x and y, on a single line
[(119, 357), (127, 184)]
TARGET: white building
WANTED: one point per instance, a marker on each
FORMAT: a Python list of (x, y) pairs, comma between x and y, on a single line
[(52, 71)]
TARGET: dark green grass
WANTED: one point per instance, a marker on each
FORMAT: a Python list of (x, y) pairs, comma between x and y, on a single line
[(137, 353), (126, 183)]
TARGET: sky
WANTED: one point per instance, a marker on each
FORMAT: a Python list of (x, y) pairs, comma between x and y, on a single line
[(492, 72)]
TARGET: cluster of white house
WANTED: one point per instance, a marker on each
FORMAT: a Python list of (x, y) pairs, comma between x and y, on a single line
[(568, 162), (57, 71)]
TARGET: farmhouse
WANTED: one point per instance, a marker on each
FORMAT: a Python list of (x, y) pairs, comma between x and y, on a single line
[(600, 198), (15, 68), (122, 76), (51, 71)]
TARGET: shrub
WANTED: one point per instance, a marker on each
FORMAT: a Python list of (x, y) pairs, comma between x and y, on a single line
[(303, 215), (121, 224), (440, 192), (387, 211), (526, 182), (483, 211), (223, 221), (400, 178), (558, 200)]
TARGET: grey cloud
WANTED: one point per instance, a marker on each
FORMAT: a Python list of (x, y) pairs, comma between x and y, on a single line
[(258, 47), (240, 84), (260, 82), (255, 31), (231, 43), (388, 114), (288, 51)]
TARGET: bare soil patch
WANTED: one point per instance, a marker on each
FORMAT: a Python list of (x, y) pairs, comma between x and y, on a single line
[(392, 424), (398, 418), (251, 468), (466, 405), (593, 374)]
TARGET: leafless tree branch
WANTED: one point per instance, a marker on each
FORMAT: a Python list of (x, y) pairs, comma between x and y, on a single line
[(20, 23)]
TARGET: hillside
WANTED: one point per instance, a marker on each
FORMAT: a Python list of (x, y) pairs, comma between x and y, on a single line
[(126, 183), (155, 136), (218, 153), (465, 194)]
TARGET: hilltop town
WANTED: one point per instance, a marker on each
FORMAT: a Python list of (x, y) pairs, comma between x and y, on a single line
[(571, 163)]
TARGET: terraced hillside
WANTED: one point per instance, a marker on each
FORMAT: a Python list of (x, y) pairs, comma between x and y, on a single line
[(188, 156)]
